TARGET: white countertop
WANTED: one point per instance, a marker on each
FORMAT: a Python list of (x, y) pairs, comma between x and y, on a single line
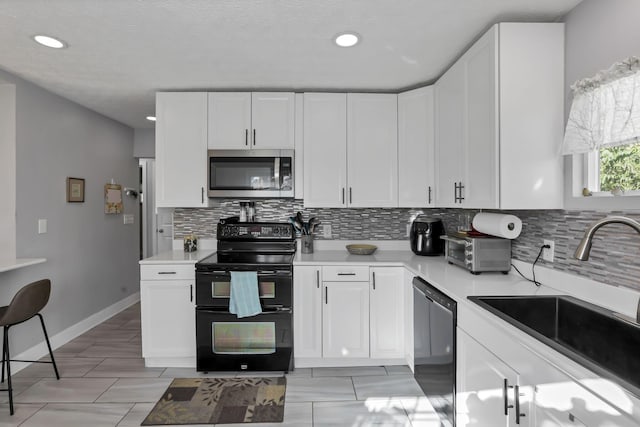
[(177, 257)]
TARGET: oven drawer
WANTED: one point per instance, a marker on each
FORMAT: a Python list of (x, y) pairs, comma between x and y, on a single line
[(345, 273), (167, 271)]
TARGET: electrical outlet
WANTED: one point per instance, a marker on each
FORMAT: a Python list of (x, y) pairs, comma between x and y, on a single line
[(42, 226), (326, 231), (547, 254)]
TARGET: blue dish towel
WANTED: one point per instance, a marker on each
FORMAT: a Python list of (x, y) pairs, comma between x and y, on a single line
[(245, 299)]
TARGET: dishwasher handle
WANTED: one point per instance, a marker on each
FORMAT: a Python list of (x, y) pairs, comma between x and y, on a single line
[(434, 295)]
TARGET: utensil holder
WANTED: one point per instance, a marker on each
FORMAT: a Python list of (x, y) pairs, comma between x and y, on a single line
[(307, 243)]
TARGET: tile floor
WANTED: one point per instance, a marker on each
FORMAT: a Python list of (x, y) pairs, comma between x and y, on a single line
[(104, 383)]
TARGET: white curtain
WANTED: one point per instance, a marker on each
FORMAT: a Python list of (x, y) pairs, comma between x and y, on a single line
[(606, 109)]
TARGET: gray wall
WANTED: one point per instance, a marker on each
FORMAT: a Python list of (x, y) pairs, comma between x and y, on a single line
[(91, 257), (144, 143)]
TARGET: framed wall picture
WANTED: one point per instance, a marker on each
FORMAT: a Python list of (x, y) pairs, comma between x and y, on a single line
[(112, 198), (75, 190)]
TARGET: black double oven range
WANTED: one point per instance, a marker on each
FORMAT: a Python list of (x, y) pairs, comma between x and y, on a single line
[(258, 343)]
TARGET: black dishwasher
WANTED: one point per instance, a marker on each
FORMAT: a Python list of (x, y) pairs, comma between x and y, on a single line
[(434, 341)]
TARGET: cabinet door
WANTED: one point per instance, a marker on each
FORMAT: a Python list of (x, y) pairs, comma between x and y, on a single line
[(229, 120), (273, 120), (416, 139), (481, 177), (325, 150), (181, 149), (386, 312), (560, 401), (307, 313), (345, 319), (449, 124), (372, 150), (168, 318), (486, 392)]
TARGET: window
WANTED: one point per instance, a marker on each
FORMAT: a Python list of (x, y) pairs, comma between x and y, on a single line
[(614, 170), (604, 129)]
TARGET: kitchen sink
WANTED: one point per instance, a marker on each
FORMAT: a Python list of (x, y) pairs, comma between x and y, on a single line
[(590, 335)]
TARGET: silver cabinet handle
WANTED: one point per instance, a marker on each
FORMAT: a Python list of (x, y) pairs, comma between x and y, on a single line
[(191, 292), (202, 194), (346, 274), (318, 279), (246, 137), (505, 396), (254, 137), (429, 195), (373, 274), (166, 272), (326, 295), (343, 195), (517, 395), (350, 196)]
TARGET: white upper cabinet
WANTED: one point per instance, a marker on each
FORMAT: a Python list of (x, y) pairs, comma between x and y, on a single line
[(325, 149), (251, 120), (181, 149), (229, 120), (416, 139), (350, 150), (499, 115), (372, 150), (449, 94)]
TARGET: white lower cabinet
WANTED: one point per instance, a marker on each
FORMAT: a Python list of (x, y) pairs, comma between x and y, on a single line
[(560, 401), (340, 319), (307, 311), (488, 393), (539, 386), (386, 313), (168, 317), (345, 319)]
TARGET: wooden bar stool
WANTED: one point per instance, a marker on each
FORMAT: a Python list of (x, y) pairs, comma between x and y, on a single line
[(26, 304)]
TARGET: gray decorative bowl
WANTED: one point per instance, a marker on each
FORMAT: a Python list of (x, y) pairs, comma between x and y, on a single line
[(361, 249)]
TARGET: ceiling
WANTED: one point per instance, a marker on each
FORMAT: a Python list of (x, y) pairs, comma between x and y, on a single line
[(120, 52)]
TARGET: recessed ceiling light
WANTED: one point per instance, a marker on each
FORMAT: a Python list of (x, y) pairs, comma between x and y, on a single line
[(347, 39), (49, 41), (151, 118)]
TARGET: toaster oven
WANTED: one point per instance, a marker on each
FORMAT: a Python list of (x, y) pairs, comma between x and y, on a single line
[(478, 254)]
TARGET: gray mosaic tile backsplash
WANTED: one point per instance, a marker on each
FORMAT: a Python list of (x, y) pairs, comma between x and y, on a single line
[(615, 257)]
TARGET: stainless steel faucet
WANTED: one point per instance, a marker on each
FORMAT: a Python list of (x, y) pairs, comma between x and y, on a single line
[(582, 252)]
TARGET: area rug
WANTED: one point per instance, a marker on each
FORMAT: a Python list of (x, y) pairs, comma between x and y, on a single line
[(220, 401)]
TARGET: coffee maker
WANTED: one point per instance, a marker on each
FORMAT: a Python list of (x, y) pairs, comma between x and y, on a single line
[(425, 236)]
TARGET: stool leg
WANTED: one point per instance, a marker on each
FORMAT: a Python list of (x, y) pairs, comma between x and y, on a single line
[(46, 337), (3, 358), (8, 361)]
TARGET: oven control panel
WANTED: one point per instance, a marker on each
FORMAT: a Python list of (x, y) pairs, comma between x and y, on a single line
[(255, 231)]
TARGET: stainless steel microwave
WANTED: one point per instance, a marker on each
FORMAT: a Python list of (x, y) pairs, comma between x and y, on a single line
[(250, 173)]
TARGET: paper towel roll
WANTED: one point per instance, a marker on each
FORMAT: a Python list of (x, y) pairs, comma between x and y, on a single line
[(500, 225)]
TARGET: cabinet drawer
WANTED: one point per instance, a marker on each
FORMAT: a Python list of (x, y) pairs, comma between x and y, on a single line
[(345, 273), (167, 271)]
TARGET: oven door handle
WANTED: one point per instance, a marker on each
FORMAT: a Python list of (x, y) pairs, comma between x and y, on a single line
[(259, 272), (275, 309)]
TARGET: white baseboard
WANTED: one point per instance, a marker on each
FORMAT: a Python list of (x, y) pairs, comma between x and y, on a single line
[(338, 362), (63, 337)]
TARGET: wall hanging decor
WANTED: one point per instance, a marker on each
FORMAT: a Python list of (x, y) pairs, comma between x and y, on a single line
[(75, 190), (112, 198)]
